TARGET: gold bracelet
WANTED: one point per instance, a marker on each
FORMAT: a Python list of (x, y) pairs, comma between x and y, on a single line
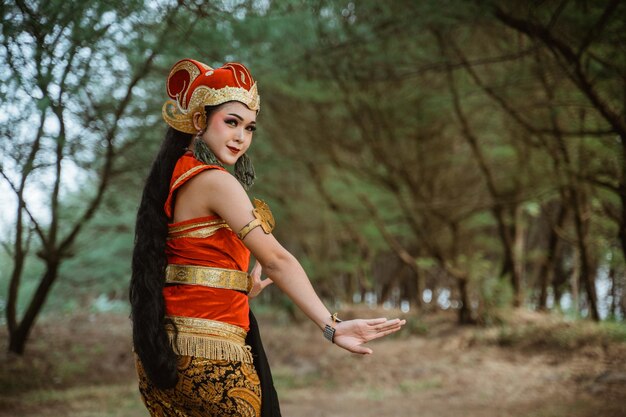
[(335, 319), (263, 217)]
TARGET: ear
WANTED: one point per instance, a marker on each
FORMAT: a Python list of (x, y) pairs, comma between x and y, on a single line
[(199, 121)]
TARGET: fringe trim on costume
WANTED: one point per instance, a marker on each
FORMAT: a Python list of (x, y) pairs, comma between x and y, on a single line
[(208, 339), (209, 348)]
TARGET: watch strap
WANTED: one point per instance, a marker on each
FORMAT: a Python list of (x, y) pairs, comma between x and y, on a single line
[(329, 333)]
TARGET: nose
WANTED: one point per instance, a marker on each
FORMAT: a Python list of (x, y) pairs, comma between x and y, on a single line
[(239, 135)]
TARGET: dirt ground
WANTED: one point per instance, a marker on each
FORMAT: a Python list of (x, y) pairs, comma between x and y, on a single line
[(81, 366)]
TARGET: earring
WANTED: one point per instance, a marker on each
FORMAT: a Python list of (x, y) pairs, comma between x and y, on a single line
[(203, 153), (244, 171)]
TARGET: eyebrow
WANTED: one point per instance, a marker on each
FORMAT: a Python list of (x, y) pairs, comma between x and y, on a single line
[(240, 118)]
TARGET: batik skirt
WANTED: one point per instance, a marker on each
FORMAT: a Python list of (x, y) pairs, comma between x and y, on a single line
[(216, 373), (206, 387)]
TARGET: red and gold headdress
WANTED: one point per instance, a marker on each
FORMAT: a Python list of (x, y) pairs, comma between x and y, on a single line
[(191, 85)]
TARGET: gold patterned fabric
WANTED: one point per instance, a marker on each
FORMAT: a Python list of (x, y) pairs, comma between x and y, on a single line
[(206, 387), (205, 229), (207, 339), (208, 276)]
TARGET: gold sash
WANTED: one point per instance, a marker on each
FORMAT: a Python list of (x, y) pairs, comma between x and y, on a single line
[(209, 277)]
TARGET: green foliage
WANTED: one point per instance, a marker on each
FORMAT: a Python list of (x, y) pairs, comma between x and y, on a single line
[(358, 101), (495, 295), (426, 263)]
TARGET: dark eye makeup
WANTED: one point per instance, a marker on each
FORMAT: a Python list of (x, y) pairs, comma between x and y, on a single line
[(235, 122)]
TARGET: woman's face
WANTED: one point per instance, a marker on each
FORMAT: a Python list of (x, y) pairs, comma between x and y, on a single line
[(229, 131)]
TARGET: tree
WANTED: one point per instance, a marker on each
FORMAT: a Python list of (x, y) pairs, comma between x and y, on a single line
[(586, 41), (71, 75)]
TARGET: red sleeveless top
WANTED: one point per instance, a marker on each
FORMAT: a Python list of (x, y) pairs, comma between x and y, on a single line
[(203, 241)]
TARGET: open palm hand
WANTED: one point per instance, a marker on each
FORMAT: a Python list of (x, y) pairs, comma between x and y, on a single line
[(352, 334)]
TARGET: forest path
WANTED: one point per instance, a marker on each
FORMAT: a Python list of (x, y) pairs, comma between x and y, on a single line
[(81, 366)]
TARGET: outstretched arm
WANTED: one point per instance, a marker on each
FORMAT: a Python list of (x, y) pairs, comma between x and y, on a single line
[(225, 197)]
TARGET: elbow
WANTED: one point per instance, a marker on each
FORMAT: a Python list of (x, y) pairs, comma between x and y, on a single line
[(277, 262)]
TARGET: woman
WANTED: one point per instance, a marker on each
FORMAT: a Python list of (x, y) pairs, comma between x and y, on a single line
[(197, 345)]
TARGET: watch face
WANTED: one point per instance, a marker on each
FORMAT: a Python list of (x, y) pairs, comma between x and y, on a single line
[(329, 333)]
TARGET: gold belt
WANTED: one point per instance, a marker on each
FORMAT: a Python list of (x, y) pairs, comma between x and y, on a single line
[(208, 339), (209, 277)]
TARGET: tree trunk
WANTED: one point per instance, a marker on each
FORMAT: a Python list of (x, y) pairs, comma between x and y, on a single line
[(574, 281), (14, 284), (403, 254), (614, 289), (574, 61), (465, 313), (547, 271), (560, 275), (519, 232), (498, 208), (621, 231), (622, 301), (19, 336), (413, 290), (587, 276), (389, 283)]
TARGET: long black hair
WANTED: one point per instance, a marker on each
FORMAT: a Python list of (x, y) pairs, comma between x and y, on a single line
[(150, 340)]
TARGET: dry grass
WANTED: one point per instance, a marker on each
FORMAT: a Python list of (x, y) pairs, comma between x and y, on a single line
[(531, 366)]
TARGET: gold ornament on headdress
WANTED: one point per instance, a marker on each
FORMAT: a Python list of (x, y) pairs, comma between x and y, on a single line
[(193, 85)]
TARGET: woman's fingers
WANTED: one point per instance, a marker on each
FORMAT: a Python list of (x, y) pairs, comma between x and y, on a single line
[(384, 324), (352, 334), (374, 322), (257, 270), (383, 333), (390, 324), (383, 329), (257, 283)]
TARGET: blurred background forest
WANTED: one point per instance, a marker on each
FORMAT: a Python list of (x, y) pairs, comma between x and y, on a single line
[(425, 156), (428, 157)]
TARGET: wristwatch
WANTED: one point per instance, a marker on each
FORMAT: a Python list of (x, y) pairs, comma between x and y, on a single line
[(329, 331)]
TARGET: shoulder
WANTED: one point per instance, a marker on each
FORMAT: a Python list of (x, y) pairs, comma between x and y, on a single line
[(215, 187), (221, 193), (215, 179), (187, 168)]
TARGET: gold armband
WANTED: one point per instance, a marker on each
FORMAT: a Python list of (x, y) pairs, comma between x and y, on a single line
[(262, 217)]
